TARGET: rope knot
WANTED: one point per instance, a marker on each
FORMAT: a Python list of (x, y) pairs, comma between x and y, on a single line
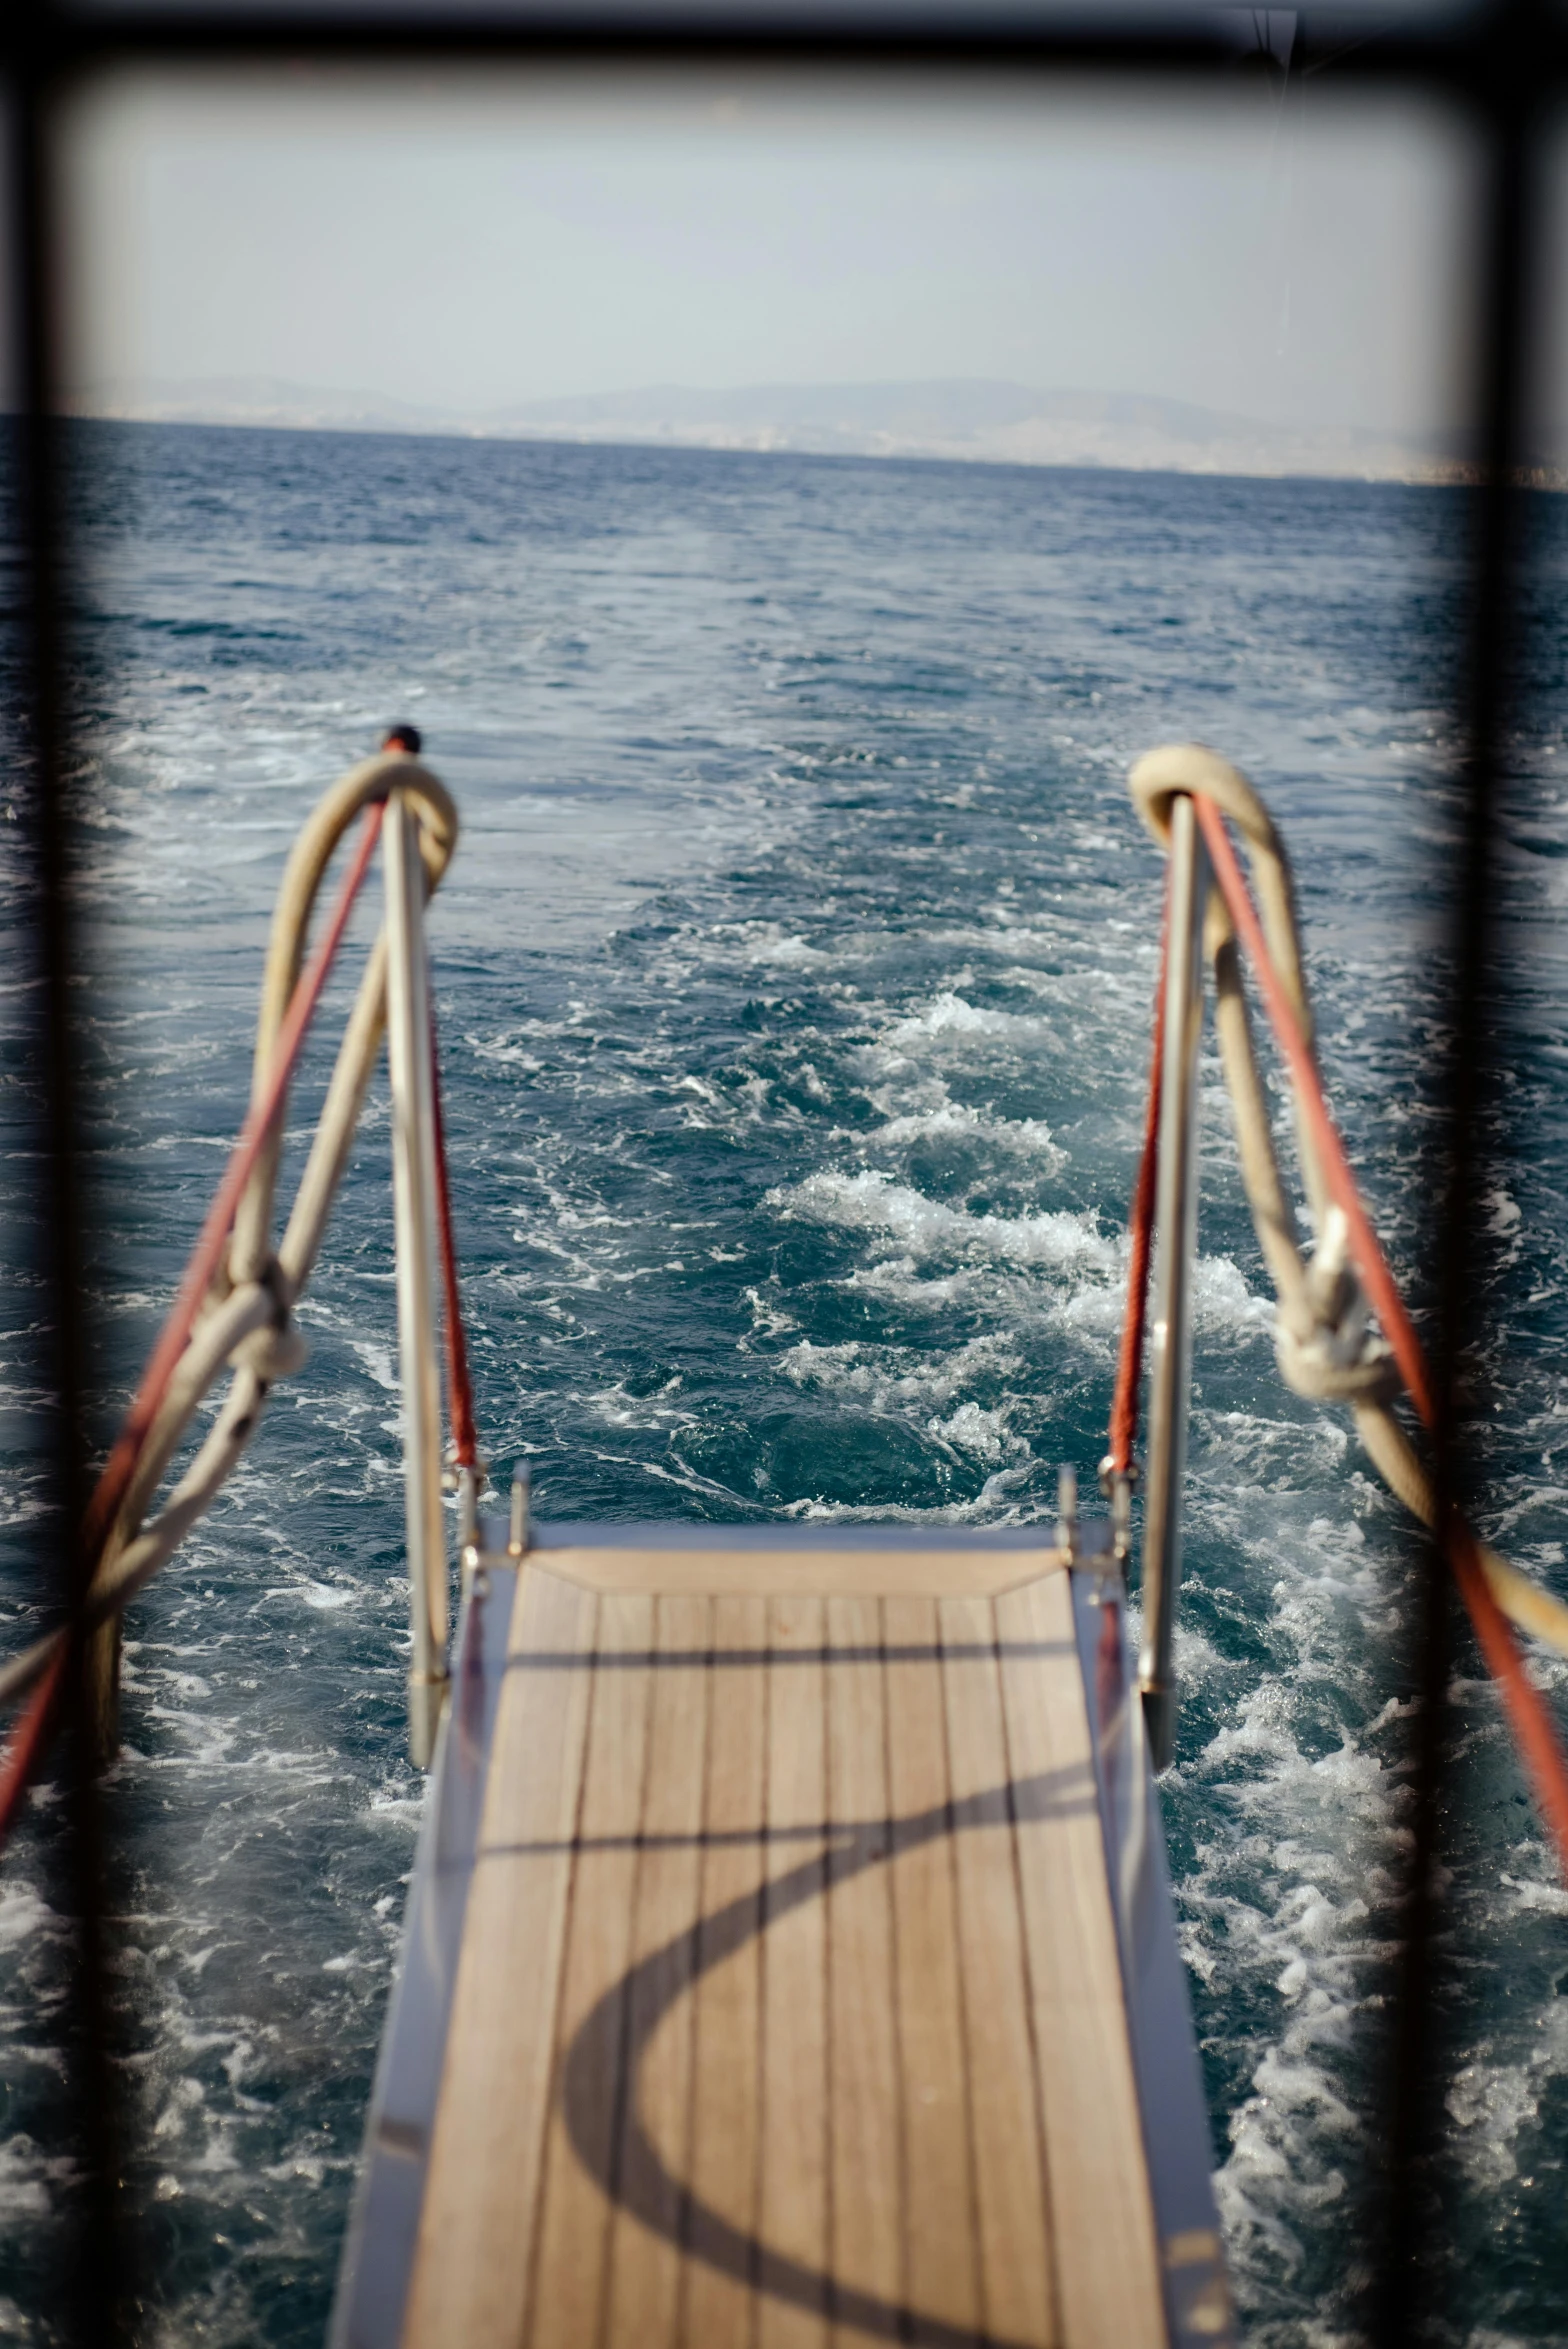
[(278, 1349), (1324, 1348)]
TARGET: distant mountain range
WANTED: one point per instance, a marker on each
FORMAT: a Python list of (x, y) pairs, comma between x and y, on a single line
[(974, 420)]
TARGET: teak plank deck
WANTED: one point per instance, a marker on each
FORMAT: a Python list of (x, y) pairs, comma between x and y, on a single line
[(569, 2274), (726, 2156), (789, 2013), (1088, 2106), (471, 2273), (865, 2109), (793, 2221), (941, 2264)]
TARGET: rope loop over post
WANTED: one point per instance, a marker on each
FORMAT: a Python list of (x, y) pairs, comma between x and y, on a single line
[(1327, 1347), (365, 785), (235, 1302), (1190, 770)]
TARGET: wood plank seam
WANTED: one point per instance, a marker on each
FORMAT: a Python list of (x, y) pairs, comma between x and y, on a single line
[(719, 2280), (904, 2278), (573, 1892), (557, 1986), (966, 2031), (762, 2010), (1058, 2329), (825, 1765), (651, 2191), (625, 2093), (1098, 2181), (622, 1639), (793, 2253), (940, 2300), (865, 2084), (1015, 2252), (689, 2132), (464, 2278)]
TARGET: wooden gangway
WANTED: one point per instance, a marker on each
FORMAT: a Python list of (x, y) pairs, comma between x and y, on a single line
[(789, 1961)]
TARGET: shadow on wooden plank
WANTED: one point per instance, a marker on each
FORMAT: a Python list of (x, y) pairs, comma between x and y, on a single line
[(638, 2180)]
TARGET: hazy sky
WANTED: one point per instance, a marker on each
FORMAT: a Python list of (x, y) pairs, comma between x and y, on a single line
[(480, 243)]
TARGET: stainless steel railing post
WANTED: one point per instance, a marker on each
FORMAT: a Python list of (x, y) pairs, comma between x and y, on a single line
[(1175, 1245), (414, 1190)]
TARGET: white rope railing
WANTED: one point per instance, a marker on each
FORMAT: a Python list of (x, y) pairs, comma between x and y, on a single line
[(243, 1318), (1324, 1344)]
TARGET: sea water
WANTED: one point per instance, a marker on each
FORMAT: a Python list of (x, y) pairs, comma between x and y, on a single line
[(794, 979)]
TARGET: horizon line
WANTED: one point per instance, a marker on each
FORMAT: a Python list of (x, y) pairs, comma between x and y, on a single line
[(1427, 472)]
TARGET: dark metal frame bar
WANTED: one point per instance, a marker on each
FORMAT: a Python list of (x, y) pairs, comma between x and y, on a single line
[(1503, 67)]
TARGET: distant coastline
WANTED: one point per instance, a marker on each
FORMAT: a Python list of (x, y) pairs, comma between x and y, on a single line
[(968, 421)]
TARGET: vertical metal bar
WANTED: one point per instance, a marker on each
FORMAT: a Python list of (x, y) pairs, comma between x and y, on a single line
[(414, 1189), (94, 2285), (1407, 2303), (1175, 1242)]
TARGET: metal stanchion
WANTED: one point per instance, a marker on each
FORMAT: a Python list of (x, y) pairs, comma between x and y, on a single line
[(414, 1186), (1175, 1243)]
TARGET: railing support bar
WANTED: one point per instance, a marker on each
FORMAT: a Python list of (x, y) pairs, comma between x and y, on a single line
[(1175, 1245), (414, 1191)]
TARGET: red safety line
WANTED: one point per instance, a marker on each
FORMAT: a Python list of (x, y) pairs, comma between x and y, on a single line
[(1531, 1724), (26, 1745), (1140, 1225), (460, 1392), (1370, 1262), (204, 1258)]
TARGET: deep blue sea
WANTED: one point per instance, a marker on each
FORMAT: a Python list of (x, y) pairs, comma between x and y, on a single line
[(794, 977)]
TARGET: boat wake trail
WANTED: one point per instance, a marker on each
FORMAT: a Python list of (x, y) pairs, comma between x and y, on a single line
[(794, 980)]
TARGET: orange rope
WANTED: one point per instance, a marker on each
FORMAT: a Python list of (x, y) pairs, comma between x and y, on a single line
[(25, 1747), (28, 1741), (205, 1256), (1140, 1225), (1531, 1724), (460, 1392)]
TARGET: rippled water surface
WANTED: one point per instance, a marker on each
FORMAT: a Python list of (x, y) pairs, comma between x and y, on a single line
[(794, 979)]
